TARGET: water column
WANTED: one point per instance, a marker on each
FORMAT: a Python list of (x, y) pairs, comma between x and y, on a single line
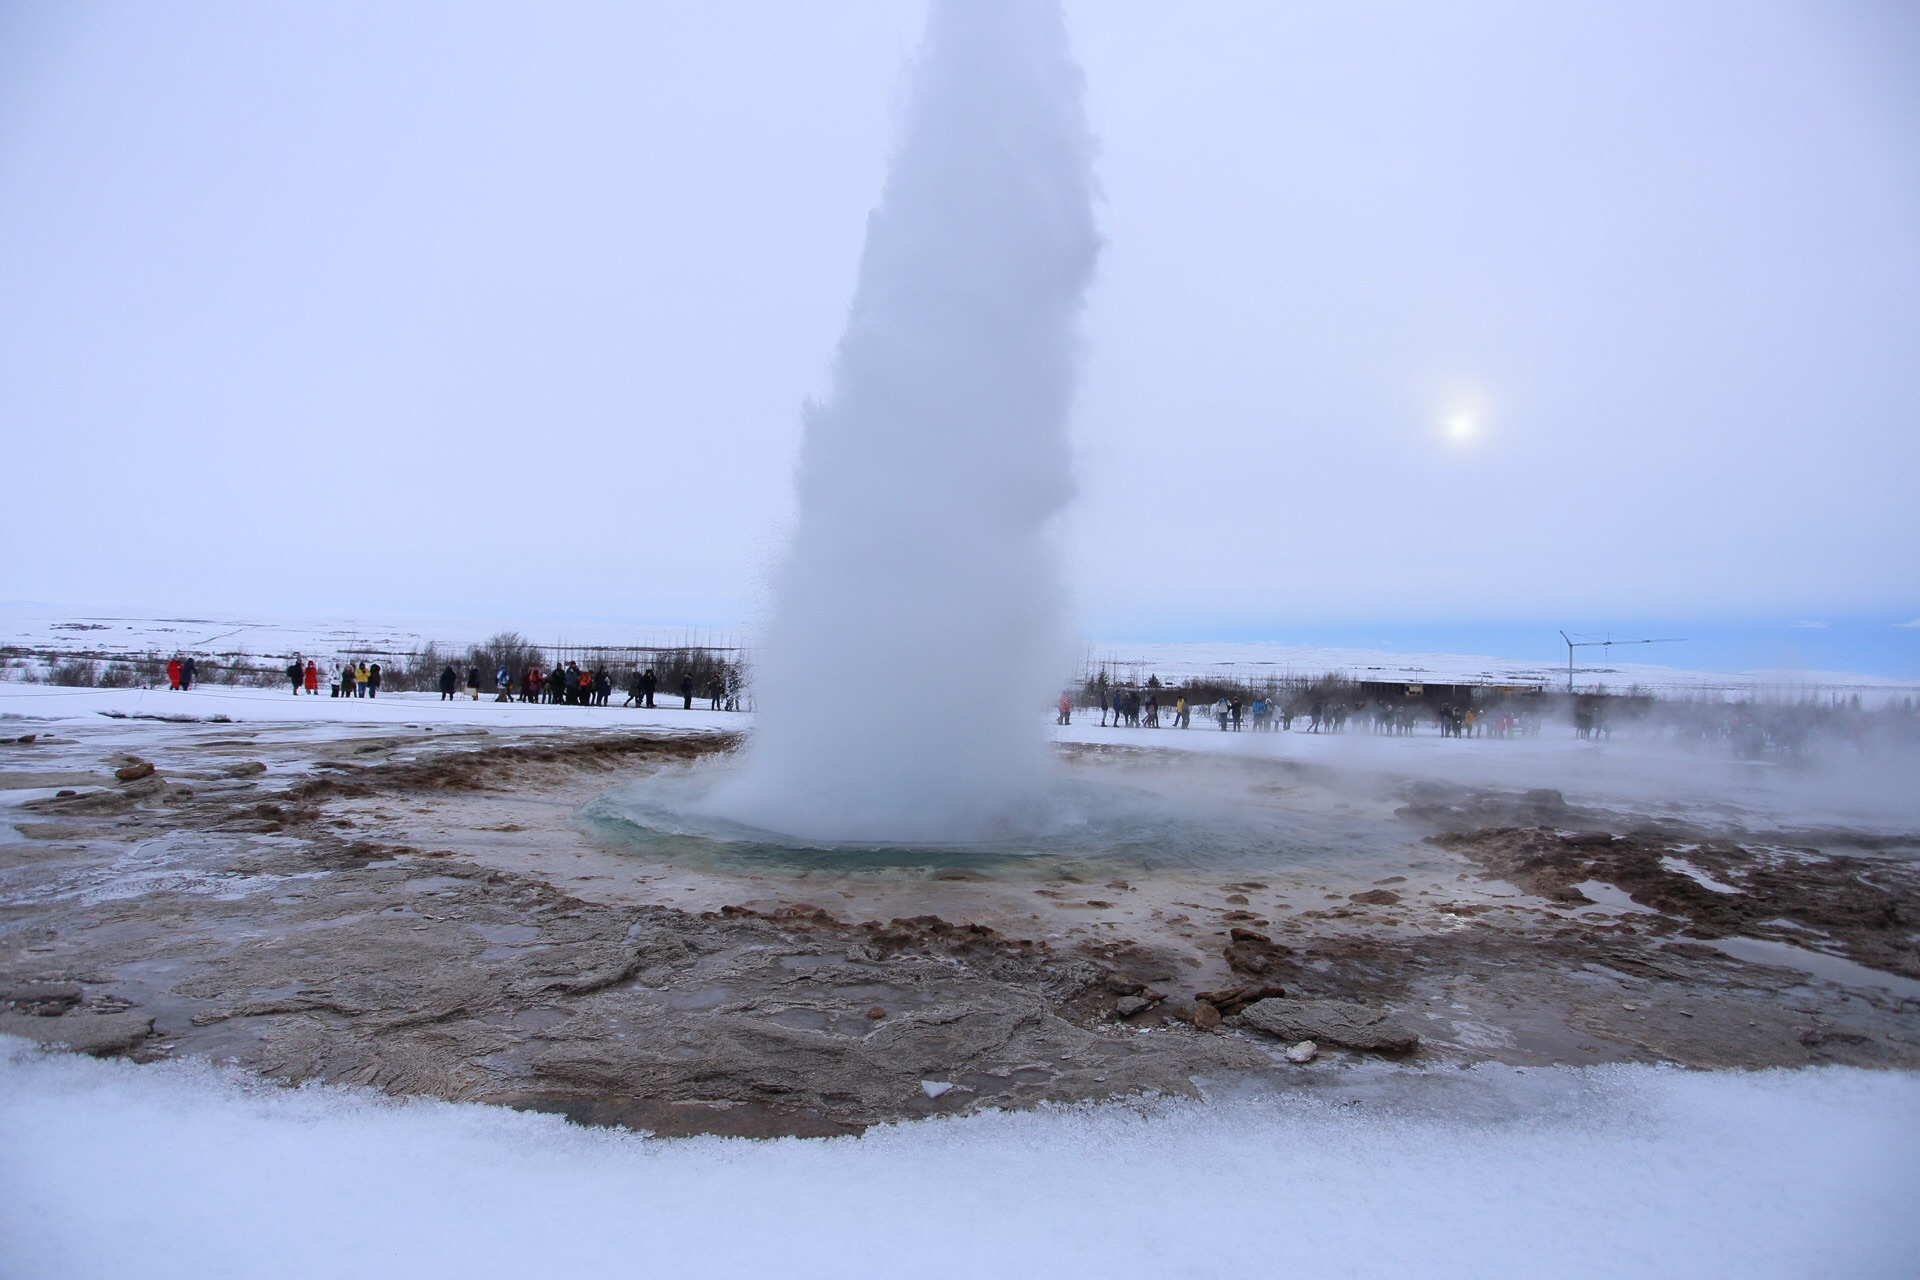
[(916, 637)]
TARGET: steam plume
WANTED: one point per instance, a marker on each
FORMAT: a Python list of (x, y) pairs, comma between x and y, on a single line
[(920, 570)]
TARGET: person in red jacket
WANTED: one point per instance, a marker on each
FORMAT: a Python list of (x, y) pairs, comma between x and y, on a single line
[(312, 678), (173, 672)]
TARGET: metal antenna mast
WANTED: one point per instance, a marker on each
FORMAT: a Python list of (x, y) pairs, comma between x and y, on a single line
[(1588, 642)]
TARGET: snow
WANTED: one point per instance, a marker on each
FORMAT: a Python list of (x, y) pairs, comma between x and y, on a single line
[(277, 706), (1256, 661), (138, 632), (185, 1170)]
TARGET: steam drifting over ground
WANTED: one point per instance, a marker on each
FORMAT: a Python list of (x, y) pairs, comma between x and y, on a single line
[(929, 476)]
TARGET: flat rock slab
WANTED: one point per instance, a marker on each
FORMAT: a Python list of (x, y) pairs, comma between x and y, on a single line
[(1338, 1022), (17, 780), (100, 1034)]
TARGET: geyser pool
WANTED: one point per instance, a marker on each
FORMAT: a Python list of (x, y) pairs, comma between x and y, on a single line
[(920, 562), (1094, 818)]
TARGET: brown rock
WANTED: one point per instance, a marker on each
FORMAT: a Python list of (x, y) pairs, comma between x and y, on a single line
[(134, 772), (1230, 1000), (876, 1012), (100, 1034), (42, 999), (1375, 898), (1205, 1016), (1338, 1022)]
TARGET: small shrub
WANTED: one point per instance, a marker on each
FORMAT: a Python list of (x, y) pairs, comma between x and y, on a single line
[(120, 675), (75, 673)]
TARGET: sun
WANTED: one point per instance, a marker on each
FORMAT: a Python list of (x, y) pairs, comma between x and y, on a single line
[(1461, 427)]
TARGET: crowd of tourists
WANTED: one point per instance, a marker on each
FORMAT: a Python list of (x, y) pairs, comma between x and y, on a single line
[(343, 680), (1127, 707), (1141, 708), (570, 684)]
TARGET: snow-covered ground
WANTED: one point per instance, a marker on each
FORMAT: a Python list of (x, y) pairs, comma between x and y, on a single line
[(277, 706), (136, 633), (113, 1170), (1252, 662)]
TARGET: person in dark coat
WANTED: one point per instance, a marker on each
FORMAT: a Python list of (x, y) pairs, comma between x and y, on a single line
[(449, 681), (648, 683), (188, 670), (686, 692), (473, 682), (296, 673), (373, 681)]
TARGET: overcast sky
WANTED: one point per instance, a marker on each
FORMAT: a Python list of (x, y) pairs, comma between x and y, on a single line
[(1461, 312)]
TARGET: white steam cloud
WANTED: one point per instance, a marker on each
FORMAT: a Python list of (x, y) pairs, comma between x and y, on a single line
[(920, 565)]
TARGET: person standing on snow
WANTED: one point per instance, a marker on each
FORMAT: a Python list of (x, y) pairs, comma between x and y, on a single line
[(311, 678), (373, 681), (294, 672), (449, 681), (686, 692), (1066, 709), (173, 672), (473, 683), (188, 670)]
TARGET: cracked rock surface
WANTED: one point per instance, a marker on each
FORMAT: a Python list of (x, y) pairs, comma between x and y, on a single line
[(417, 911)]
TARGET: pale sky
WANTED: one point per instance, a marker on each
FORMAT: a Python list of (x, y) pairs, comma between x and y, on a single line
[(1487, 311)]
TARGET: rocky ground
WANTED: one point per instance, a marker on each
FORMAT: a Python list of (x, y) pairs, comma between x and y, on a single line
[(415, 910)]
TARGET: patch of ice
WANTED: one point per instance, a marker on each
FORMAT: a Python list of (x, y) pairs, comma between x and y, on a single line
[(184, 1170), (1687, 869), (1609, 898)]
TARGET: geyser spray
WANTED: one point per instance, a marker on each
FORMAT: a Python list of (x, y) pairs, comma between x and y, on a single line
[(915, 636)]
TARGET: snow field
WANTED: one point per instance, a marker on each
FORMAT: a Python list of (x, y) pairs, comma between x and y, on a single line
[(277, 706), (180, 1169)]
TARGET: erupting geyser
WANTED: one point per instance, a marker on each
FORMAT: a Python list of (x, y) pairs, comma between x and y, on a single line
[(915, 637)]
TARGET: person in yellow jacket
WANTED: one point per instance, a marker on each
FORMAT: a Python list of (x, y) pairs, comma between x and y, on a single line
[(360, 675)]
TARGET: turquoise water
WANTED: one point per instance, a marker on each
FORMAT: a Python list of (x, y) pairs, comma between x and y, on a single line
[(1087, 820)]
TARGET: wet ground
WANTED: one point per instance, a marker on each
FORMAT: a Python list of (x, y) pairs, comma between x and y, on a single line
[(460, 912)]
